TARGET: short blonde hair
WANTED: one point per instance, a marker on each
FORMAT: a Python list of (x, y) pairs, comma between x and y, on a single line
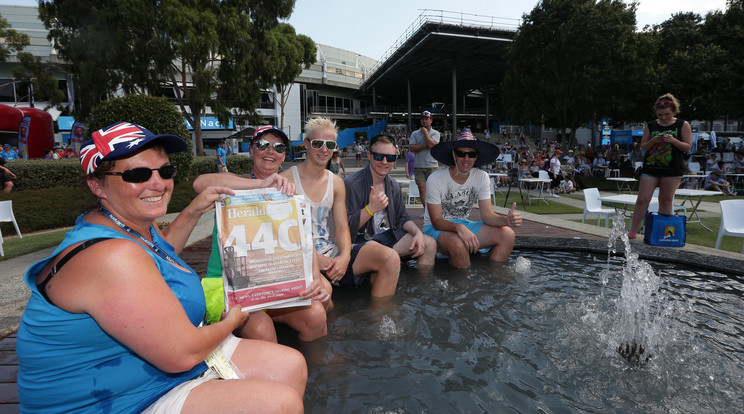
[(319, 123)]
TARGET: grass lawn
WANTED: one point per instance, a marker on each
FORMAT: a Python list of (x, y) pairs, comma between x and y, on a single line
[(539, 207), (31, 243)]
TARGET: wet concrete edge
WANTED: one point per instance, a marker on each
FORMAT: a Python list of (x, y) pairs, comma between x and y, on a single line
[(697, 260)]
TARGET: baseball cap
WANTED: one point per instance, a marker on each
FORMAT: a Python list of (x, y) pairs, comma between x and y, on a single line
[(122, 139), (426, 114), (270, 128)]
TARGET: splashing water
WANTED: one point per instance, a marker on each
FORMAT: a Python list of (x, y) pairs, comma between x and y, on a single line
[(642, 309), (523, 265), (388, 329)]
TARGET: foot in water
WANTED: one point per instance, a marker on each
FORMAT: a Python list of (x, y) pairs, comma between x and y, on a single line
[(632, 235)]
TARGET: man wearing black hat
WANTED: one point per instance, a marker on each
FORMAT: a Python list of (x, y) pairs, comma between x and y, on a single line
[(421, 142), (451, 193)]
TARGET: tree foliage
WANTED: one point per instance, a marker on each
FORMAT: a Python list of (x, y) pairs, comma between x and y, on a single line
[(12, 40), (288, 49), (690, 65), (39, 75), (725, 30), (215, 55), (573, 61)]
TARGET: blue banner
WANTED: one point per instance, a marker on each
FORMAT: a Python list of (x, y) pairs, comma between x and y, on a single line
[(210, 123)]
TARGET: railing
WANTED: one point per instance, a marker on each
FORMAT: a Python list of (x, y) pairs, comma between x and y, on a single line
[(450, 18)]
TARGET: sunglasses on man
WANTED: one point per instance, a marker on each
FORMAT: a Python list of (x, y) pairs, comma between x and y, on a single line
[(469, 154), (143, 174), (318, 144), (263, 145), (379, 156)]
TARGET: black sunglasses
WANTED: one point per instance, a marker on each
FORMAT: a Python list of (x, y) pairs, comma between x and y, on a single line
[(469, 154), (143, 174), (378, 156), (263, 145)]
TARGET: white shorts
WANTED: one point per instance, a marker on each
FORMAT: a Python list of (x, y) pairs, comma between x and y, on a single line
[(173, 400)]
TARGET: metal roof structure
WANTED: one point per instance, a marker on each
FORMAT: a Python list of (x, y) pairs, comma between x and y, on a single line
[(442, 47)]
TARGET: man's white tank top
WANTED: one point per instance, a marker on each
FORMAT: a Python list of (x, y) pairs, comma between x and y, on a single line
[(319, 212)]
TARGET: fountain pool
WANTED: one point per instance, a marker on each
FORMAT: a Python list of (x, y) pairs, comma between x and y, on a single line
[(539, 334)]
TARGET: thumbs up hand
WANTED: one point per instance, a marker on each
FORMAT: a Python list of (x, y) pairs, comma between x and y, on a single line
[(378, 201), (514, 218)]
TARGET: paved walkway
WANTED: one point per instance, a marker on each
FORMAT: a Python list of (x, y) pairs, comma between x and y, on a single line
[(551, 232)]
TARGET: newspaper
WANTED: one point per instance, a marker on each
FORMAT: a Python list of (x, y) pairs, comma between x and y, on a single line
[(266, 249)]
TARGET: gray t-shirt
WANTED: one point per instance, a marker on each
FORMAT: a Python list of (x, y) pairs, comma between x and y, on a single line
[(423, 159)]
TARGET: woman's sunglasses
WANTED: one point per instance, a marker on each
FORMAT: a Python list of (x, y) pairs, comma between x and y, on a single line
[(143, 174), (379, 157), (263, 145), (469, 154), (318, 144)]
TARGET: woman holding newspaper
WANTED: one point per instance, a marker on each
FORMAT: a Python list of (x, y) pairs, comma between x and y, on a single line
[(268, 147), (114, 322)]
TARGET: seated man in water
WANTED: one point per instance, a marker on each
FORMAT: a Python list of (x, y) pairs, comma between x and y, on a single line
[(376, 208), (342, 263), (450, 194)]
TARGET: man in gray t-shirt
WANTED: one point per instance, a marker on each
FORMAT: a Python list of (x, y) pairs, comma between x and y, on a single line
[(420, 143)]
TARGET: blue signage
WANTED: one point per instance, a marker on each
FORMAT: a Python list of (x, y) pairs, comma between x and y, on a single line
[(210, 123), (65, 122)]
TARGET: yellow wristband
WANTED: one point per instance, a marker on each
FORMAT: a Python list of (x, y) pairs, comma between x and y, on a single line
[(367, 208)]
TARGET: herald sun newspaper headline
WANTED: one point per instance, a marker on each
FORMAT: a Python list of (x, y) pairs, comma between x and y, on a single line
[(266, 249)]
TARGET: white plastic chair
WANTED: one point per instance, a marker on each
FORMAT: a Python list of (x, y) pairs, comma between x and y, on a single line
[(593, 205), (6, 214), (542, 174), (614, 172), (413, 192), (694, 167), (732, 220)]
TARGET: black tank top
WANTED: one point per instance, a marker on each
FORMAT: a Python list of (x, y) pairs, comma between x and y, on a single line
[(664, 159)]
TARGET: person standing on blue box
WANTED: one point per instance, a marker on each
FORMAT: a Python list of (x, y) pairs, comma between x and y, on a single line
[(664, 143)]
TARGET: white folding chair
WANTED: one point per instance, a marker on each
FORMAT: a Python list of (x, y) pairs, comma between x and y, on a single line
[(732, 220), (6, 214), (413, 192), (614, 172), (593, 205)]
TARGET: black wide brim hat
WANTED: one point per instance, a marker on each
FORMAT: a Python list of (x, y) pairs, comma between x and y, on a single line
[(487, 152)]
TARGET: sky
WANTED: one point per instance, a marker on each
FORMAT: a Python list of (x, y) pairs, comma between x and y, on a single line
[(371, 28)]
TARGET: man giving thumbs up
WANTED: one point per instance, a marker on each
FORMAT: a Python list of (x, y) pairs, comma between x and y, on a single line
[(450, 195)]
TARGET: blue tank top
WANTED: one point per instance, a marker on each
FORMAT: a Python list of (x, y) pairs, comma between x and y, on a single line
[(68, 363)]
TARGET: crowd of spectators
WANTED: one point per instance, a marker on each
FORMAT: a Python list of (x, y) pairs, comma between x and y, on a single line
[(529, 157)]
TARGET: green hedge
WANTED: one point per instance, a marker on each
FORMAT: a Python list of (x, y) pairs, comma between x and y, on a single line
[(50, 194), (58, 207), (43, 174), (238, 164)]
